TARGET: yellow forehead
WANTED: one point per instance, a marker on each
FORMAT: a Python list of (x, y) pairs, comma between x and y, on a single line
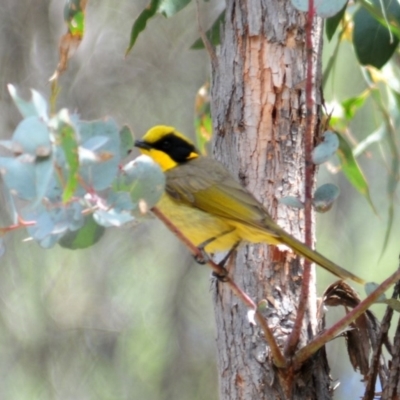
[(157, 132)]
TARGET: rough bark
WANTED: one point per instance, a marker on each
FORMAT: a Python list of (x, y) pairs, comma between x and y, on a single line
[(258, 107)]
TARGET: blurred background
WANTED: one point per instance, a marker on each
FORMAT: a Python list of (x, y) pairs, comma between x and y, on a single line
[(131, 317)]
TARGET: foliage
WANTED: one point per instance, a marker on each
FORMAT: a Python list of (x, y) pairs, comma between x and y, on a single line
[(64, 177), (63, 170)]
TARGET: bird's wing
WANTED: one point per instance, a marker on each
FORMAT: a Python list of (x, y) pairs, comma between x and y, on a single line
[(215, 192)]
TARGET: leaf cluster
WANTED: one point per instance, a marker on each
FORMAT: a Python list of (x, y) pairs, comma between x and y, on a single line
[(63, 176)]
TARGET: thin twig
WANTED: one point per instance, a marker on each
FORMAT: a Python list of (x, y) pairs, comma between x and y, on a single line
[(376, 357), (308, 185), (329, 334), (207, 44), (277, 355), (390, 391), (20, 224)]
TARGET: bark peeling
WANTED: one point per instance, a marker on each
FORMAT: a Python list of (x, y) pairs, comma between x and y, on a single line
[(258, 106)]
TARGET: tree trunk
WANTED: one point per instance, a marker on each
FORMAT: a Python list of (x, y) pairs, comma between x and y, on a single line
[(259, 115)]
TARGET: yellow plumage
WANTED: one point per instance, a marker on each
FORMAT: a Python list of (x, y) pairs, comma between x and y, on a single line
[(204, 201)]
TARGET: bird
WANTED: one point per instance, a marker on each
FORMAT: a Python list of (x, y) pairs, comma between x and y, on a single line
[(210, 208)]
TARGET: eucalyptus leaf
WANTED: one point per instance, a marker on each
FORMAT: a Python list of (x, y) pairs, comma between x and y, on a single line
[(144, 180), (352, 170), (292, 201), (109, 218), (141, 21), (126, 141), (373, 43), (44, 172), (37, 107), (32, 136), (370, 287), (393, 303), (19, 176), (333, 22), (326, 149), (100, 175), (325, 196)]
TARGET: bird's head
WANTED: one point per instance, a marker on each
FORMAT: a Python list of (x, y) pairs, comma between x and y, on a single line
[(167, 147)]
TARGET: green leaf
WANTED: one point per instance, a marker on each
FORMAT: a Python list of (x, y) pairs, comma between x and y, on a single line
[(352, 170), (141, 21), (170, 7), (213, 34), (393, 303), (374, 137), (373, 43), (87, 236), (67, 138), (392, 119), (332, 23), (387, 16), (202, 118), (353, 104), (74, 16)]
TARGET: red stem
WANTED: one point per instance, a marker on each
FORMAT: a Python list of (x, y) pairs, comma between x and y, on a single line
[(309, 175)]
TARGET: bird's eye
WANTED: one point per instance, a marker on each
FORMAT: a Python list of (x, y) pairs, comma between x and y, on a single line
[(166, 144)]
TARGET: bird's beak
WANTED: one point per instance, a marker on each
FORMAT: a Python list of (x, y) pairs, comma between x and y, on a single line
[(142, 144)]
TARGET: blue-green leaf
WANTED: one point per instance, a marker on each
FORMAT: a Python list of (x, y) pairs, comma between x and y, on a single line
[(19, 175), (145, 182), (291, 201), (326, 149), (126, 141), (32, 136), (325, 196), (37, 107), (100, 175)]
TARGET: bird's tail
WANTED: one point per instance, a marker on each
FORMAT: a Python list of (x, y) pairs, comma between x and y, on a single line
[(312, 255)]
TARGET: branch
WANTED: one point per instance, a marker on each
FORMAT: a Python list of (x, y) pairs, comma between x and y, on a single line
[(277, 355), (383, 335), (207, 44), (329, 334)]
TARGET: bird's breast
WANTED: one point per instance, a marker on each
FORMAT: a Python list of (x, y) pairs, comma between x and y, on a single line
[(199, 226)]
